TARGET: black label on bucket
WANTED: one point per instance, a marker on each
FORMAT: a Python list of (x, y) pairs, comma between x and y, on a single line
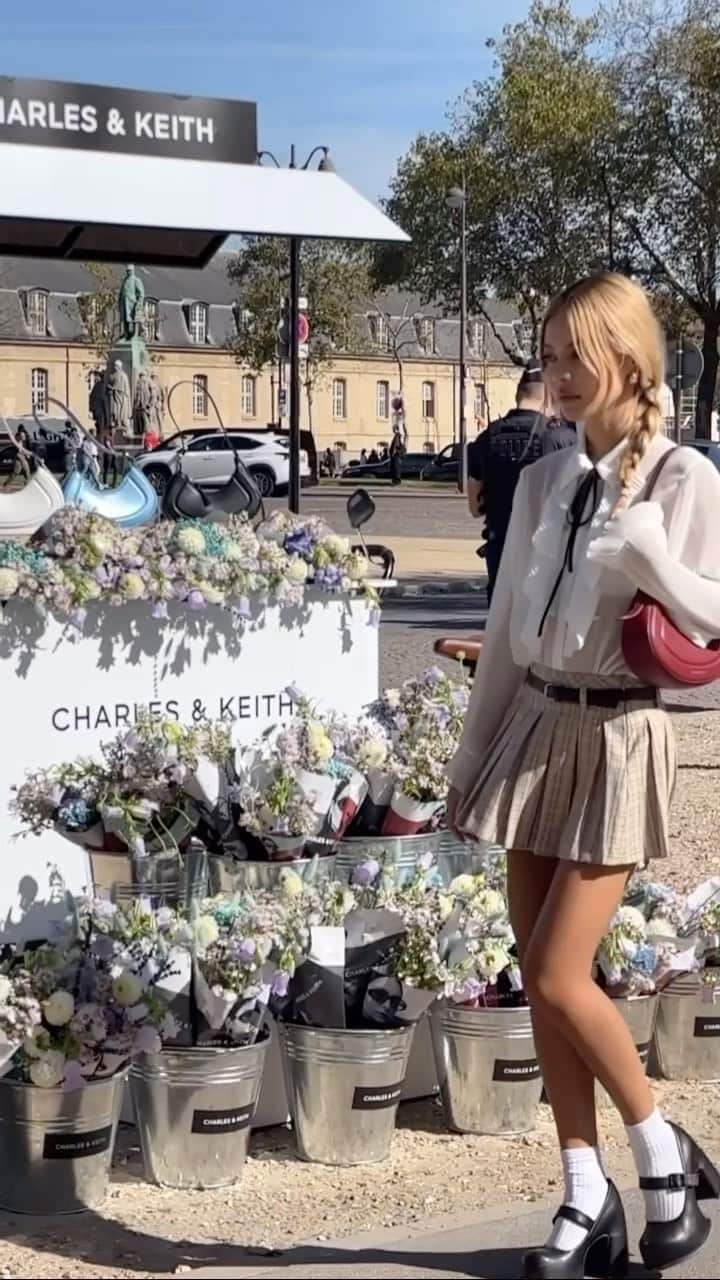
[(705, 1027), (222, 1121), (73, 1146), (643, 1051), (375, 1099), (516, 1072)]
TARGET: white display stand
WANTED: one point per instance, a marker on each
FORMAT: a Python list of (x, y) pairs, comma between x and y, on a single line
[(64, 692)]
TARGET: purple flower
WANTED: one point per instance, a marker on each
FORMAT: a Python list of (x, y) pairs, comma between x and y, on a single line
[(300, 543), (160, 609), (366, 873), (102, 577), (243, 607), (245, 950), (146, 1040), (196, 600), (78, 616), (73, 1078), (280, 984), (164, 917)]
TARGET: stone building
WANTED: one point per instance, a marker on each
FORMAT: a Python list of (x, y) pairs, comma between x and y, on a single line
[(190, 320)]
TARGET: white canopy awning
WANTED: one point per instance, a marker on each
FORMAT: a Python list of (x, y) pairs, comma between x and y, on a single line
[(63, 203)]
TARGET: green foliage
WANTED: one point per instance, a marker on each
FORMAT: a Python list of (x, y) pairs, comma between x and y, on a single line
[(99, 310)]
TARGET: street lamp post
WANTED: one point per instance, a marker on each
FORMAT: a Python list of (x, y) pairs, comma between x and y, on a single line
[(294, 487), (457, 199)]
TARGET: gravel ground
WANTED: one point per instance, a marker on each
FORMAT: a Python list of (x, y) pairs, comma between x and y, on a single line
[(145, 1232)]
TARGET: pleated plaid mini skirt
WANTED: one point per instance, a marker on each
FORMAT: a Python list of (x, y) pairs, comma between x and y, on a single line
[(583, 783)]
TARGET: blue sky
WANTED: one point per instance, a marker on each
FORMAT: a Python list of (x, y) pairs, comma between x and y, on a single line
[(363, 76)]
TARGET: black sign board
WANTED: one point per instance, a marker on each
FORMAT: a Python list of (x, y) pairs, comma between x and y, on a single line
[(515, 1071), (73, 1146), (84, 117), (376, 1098), (219, 1122)]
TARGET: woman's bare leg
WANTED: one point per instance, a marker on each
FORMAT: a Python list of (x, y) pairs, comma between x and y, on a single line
[(558, 979), (569, 1082)]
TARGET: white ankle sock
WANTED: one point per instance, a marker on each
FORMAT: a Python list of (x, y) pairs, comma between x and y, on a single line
[(656, 1153), (585, 1190)]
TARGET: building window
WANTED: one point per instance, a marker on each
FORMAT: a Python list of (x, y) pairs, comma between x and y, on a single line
[(382, 400), (480, 402), (379, 332), (198, 322), (339, 398), (200, 396), (37, 312), (248, 396), (151, 320), (39, 390), (428, 400), (476, 335), (426, 335)]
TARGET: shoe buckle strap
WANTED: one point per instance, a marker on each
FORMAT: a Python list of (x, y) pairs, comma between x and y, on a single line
[(574, 1215), (671, 1182)]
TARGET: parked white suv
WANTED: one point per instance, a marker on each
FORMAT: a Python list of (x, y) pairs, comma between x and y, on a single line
[(207, 458)]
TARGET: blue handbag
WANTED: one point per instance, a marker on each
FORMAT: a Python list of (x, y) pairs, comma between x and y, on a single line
[(131, 503)]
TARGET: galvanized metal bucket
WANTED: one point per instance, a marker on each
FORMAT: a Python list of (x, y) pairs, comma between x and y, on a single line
[(402, 853), (344, 1088), (687, 1031), (170, 880), (457, 857), (56, 1146), (639, 1013), (487, 1068), (230, 876), (193, 1111)]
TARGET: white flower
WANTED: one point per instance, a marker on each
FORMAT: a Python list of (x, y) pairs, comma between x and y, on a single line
[(462, 886), (48, 1071), (5, 988), (631, 918), (392, 698), (132, 586), (59, 1008), (9, 582), (37, 1043), (290, 883), (212, 594), (100, 543), (491, 962), (336, 545), (446, 906), (127, 989), (297, 571), (191, 541), (489, 901), (205, 931)]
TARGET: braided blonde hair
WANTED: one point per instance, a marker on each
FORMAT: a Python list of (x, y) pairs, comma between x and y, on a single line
[(618, 338)]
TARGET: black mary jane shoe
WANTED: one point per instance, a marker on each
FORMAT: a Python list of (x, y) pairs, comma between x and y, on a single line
[(665, 1244), (602, 1252)]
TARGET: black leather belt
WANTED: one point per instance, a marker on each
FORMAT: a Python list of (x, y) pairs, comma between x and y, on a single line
[(641, 697)]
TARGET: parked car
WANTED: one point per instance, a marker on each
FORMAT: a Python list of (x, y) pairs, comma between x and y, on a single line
[(412, 465), (445, 465), (46, 441), (710, 448), (207, 458)]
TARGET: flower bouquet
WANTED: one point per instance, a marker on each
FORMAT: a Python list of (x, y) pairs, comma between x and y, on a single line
[(146, 795), (640, 951), (71, 1013)]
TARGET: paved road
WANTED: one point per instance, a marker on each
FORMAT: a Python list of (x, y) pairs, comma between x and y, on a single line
[(413, 513), (491, 1248)]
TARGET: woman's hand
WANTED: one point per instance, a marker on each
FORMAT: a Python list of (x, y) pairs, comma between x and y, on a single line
[(453, 804)]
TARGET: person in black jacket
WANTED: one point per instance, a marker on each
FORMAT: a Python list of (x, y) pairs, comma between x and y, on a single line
[(498, 456)]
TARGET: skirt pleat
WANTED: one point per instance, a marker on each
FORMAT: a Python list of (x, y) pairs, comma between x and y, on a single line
[(583, 784)]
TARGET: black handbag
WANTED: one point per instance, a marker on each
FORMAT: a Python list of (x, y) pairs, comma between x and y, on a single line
[(185, 500)]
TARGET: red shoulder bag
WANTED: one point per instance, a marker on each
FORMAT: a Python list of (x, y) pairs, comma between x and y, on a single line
[(655, 650)]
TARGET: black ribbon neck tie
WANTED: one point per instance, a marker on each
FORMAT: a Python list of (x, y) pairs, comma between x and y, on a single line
[(579, 514)]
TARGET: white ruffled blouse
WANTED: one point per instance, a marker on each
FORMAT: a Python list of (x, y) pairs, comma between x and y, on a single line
[(668, 547)]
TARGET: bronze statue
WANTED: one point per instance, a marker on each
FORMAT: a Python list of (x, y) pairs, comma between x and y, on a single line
[(132, 304)]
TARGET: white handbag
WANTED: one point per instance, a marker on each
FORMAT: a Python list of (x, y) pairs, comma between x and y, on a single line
[(24, 512)]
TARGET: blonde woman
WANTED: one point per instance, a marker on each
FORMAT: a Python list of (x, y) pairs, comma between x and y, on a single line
[(570, 763)]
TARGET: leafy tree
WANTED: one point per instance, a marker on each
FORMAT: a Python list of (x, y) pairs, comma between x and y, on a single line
[(99, 310), (335, 281), (669, 61)]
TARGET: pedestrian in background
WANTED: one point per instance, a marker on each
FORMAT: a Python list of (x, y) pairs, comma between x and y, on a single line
[(397, 450), (500, 454)]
